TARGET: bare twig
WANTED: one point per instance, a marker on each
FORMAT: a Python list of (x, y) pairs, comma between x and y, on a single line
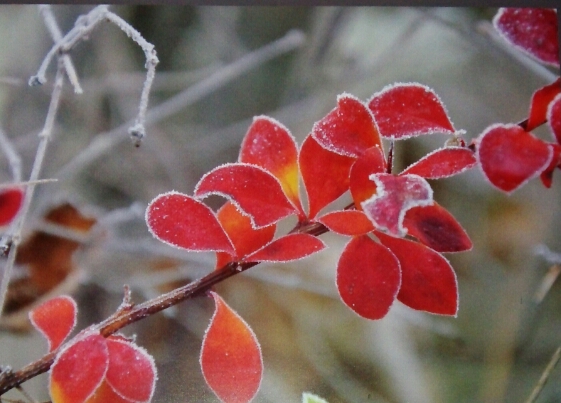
[(545, 376), (11, 154)]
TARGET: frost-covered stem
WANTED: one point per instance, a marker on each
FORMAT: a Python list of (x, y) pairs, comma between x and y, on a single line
[(51, 24), (545, 376), (11, 154), (35, 171)]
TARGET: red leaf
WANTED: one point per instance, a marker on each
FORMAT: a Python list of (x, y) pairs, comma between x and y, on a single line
[(347, 222), (349, 129), (531, 30), (428, 282), (435, 227), (510, 156), (245, 238), (368, 277), (182, 221), (395, 195), (554, 117), (361, 186), (55, 319), (230, 356), (79, 369), (131, 372), (442, 163), (547, 175), (11, 200), (256, 191), (325, 174), (287, 248), (407, 110), (539, 104), (269, 145)]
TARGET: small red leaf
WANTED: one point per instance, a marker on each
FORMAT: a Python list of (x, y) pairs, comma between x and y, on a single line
[(532, 30), (325, 174), (554, 117), (347, 222), (182, 221), (270, 145), (55, 319), (547, 175), (11, 200), (349, 129), (230, 356), (368, 277), (539, 104), (395, 195), (372, 161), (510, 156), (257, 192), (287, 248), (131, 372), (79, 369), (435, 227), (245, 238), (442, 163), (407, 110), (428, 282)]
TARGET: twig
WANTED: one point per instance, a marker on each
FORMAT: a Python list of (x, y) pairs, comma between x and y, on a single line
[(51, 24), (545, 376), (11, 154)]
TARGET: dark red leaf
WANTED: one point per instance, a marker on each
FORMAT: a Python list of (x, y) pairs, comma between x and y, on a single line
[(270, 145), (532, 30), (349, 129), (428, 281), (287, 248), (325, 174), (231, 356), (347, 222), (368, 277), (256, 191), (510, 156), (554, 117), (395, 195), (539, 104), (372, 161), (407, 110), (442, 163), (55, 319), (11, 200), (182, 221), (435, 227)]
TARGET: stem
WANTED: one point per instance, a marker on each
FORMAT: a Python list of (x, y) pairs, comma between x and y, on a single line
[(545, 376)]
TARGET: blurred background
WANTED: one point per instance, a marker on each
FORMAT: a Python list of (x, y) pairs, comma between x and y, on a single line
[(219, 67)]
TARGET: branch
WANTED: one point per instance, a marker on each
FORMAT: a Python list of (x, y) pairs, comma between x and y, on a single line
[(545, 376)]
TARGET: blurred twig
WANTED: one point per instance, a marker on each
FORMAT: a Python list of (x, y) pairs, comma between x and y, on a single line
[(545, 376)]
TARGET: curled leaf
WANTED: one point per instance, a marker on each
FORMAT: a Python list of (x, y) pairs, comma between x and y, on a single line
[(540, 103), (347, 222), (442, 163), (257, 192), (55, 319), (11, 200), (184, 222), (406, 110), (368, 277), (231, 356), (288, 248)]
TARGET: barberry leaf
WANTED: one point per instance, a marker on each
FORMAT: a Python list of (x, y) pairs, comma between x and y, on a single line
[(347, 222), (428, 282), (55, 319), (287, 248), (311, 398), (372, 161), (509, 156), (349, 129), (131, 372), (406, 110), (325, 174), (230, 358), (554, 117), (79, 369), (184, 222), (540, 103), (257, 192), (394, 196), (244, 237), (368, 277), (270, 145), (435, 227), (532, 30), (11, 200), (442, 163), (547, 175)]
